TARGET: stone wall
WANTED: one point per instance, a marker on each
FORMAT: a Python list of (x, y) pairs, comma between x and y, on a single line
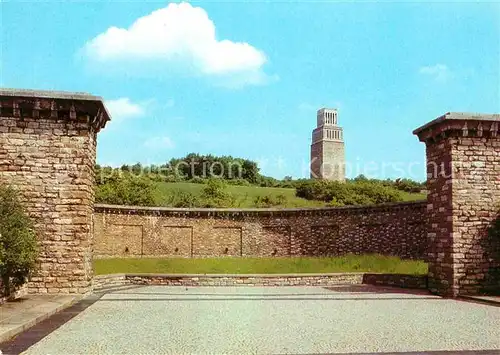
[(394, 229), (105, 282), (463, 173), (47, 152)]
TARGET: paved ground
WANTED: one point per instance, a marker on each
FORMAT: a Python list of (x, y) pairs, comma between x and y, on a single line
[(243, 320), (19, 315)]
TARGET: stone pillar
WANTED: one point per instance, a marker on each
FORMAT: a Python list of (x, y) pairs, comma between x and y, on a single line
[(47, 152), (463, 177)]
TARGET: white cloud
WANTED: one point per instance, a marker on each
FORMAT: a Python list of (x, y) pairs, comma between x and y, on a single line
[(159, 143), (179, 33), (438, 72), (123, 108)]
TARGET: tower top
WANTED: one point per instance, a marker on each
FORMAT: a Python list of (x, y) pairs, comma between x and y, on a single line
[(327, 117), (326, 109)]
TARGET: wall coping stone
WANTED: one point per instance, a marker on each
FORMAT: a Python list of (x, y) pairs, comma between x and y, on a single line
[(142, 210), (460, 116), (63, 105), (49, 94), (464, 124), (244, 275), (108, 276), (103, 276)]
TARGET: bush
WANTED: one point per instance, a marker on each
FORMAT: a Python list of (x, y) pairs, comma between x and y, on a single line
[(238, 182), (156, 177), (198, 180), (214, 194), (409, 185), (266, 181), (377, 193), (318, 189), (172, 178), (18, 245), (126, 190), (357, 192), (183, 199), (270, 201)]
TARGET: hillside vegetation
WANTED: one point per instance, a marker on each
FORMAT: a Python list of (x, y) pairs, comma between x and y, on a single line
[(237, 183)]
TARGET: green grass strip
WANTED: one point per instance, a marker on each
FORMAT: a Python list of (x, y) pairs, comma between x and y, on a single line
[(276, 265)]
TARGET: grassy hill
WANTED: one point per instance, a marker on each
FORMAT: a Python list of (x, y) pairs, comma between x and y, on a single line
[(182, 184), (246, 195)]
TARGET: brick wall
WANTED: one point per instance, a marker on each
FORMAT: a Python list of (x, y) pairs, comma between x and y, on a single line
[(463, 172), (440, 213), (393, 229), (47, 152), (475, 204), (48, 148)]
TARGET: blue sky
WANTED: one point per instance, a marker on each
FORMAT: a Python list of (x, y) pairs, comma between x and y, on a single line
[(246, 78)]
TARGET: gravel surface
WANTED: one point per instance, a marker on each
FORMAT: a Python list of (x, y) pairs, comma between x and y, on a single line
[(242, 320)]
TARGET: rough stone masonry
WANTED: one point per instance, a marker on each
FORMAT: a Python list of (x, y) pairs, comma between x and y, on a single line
[(397, 229), (48, 149), (47, 152), (463, 175)]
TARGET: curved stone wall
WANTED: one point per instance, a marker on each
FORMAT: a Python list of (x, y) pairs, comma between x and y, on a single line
[(102, 283), (391, 229)]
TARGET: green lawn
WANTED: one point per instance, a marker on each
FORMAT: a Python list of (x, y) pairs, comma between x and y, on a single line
[(348, 263), (408, 196), (245, 195)]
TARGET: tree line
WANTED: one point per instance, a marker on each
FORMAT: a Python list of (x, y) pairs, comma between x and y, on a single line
[(137, 184), (237, 171)]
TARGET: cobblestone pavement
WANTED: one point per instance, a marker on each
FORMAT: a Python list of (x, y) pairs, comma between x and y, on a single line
[(242, 320)]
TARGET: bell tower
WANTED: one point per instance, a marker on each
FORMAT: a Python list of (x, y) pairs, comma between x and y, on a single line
[(327, 147)]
